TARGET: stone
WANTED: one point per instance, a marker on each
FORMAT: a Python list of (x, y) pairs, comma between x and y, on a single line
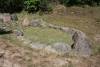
[(14, 17), (68, 30), (38, 23), (54, 26), (26, 22), (6, 18), (82, 45), (18, 33), (35, 23), (21, 38)]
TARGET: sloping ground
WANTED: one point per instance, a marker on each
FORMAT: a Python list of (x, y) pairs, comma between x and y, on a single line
[(16, 56), (85, 19)]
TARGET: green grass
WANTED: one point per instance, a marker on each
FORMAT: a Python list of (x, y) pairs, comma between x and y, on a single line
[(47, 35)]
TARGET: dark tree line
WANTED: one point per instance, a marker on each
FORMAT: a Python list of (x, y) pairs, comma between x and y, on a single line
[(28, 5), (80, 2), (11, 5), (40, 5)]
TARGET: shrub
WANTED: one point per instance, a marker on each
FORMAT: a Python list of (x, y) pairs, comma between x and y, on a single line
[(45, 5), (31, 5), (36, 5)]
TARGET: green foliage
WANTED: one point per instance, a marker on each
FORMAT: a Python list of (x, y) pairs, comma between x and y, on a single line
[(45, 5), (31, 5), (36, 5)]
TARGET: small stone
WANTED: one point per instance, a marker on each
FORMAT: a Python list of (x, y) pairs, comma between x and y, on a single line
[(38, 23), (18, 33), (6, 18), (14, 17), (35, 23), (26, 22)]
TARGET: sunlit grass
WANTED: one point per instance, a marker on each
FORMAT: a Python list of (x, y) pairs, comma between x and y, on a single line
[(47, 35)]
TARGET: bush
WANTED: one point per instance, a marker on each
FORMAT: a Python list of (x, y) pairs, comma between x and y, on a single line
[(36, 5), (31, 5), (45, 5), (11, 5)]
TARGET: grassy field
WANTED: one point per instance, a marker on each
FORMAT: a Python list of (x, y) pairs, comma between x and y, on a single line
[(85, 19), (47, 35)]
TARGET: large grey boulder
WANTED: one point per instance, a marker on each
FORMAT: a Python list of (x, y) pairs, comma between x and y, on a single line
[(81, 45), (25, 22)]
